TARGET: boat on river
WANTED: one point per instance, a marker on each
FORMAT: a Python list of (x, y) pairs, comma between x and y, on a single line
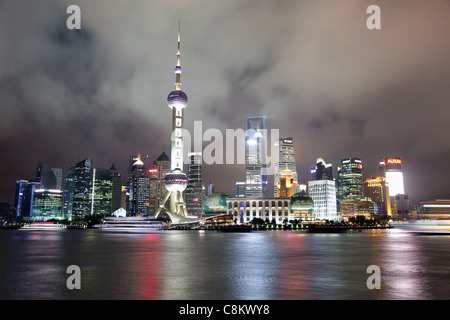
[(130, 225)]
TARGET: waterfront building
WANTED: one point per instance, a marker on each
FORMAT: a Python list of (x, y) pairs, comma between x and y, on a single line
[(255, 158), (438, 209), (285, 159), (377, 189), (244, 210), (215, 204), (323, 193), (353, 207), (47, 205), (302, 208), (194, 190), (23, 202)]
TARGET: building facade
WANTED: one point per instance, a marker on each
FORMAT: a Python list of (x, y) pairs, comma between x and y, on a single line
[(255, 158), (285, 159), (194, 189), (377, 189), (323, 193)]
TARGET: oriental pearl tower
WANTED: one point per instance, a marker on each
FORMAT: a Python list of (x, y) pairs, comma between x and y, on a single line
[(176, 180)]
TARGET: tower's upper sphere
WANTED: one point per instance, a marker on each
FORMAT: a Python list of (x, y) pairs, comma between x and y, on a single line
[(176, 180), (177, 98)]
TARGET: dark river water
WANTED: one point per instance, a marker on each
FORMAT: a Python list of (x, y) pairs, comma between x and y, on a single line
[(212, 265)]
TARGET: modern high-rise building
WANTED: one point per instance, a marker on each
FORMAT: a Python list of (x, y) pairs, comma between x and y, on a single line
[(162, 166), (153, 203), (285, 159), (323, 193), (58, 172), (139, 188), (47, 204), (101, 192), (322, 170), (81, 204), (377, 189), (255, 158), (46, 176), (391, 169), (194, 192), (116, 197), (69, 190), (24, 197), (350, 179), (286, 185)]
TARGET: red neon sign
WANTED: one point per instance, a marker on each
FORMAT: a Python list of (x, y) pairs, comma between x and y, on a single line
[(394, 161)]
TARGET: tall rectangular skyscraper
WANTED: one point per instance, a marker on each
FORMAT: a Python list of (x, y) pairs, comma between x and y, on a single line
[(194, 189), (255, 158), (350, 179), (284, 159)]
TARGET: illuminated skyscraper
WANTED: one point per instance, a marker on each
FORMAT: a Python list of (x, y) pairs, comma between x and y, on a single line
[(139, 188), (285, 159), (322, 170), (255, 158), (194, 192), (47, 204), (391, 169), (116, 179), (101, 192), (162, 165), (351, 179), (285, 184), (81, 189), (323, 193), (377, 189), (23, 202)]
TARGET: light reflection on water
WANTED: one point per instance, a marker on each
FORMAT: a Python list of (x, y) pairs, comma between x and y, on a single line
[(197, 265)]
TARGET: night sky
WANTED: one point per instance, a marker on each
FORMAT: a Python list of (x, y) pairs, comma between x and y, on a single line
[(312, 67)]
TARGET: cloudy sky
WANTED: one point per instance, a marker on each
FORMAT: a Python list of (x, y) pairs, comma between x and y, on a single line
[(312, 67)]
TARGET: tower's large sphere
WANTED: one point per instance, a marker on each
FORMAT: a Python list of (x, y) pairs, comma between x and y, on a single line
[(177, 98), (176, 180)]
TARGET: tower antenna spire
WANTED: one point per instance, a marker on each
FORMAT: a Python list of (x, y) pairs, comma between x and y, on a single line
[(178, 69)]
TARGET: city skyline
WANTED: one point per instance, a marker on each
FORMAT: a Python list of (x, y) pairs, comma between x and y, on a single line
[(100, 94)]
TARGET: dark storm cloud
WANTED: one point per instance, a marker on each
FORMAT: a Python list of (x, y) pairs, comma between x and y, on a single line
[(311, 67)]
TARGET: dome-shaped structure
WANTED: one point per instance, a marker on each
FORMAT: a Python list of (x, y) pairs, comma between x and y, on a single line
[(216, 203), (177, 97), (176, 180), (301, 202)]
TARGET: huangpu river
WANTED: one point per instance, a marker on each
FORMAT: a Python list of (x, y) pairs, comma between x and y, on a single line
[(214, 265)]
